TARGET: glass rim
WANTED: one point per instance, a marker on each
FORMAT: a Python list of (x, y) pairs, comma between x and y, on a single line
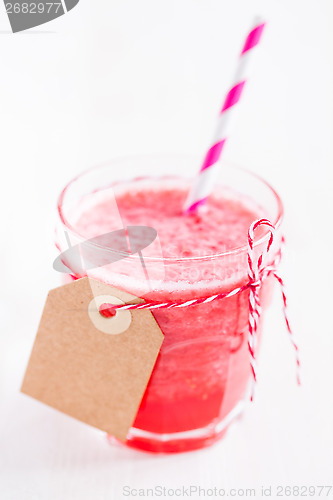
[(231, 252)]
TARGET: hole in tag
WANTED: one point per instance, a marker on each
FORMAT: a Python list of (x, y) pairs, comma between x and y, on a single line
[(106, 320), (106, 310)]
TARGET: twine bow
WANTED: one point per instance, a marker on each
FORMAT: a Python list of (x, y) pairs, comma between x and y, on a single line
[(257, 273)]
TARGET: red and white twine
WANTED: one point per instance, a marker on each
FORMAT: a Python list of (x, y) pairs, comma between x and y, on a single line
[(258, 271)]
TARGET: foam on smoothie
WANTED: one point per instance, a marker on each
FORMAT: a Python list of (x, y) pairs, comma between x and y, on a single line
[(221, 226)]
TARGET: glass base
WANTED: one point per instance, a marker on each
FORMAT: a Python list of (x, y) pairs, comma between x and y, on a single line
[(178, 442)]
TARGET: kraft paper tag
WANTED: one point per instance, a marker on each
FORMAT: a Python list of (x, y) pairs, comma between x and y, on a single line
[(93, 368)]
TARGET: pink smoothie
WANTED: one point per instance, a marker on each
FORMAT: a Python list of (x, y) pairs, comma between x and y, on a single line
[(203, 370)]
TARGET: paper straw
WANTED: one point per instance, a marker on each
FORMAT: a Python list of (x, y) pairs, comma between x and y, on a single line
[(206, 179)]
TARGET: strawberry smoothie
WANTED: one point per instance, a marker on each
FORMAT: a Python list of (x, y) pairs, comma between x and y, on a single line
[(201, 378), (202, 372)]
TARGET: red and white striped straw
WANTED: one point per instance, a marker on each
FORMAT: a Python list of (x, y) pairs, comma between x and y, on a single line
[(206, 179)]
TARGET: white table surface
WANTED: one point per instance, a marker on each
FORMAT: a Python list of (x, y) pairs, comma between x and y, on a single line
[(130, 77)]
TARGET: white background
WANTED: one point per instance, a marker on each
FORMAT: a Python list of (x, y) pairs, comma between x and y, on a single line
[(115, 77)]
